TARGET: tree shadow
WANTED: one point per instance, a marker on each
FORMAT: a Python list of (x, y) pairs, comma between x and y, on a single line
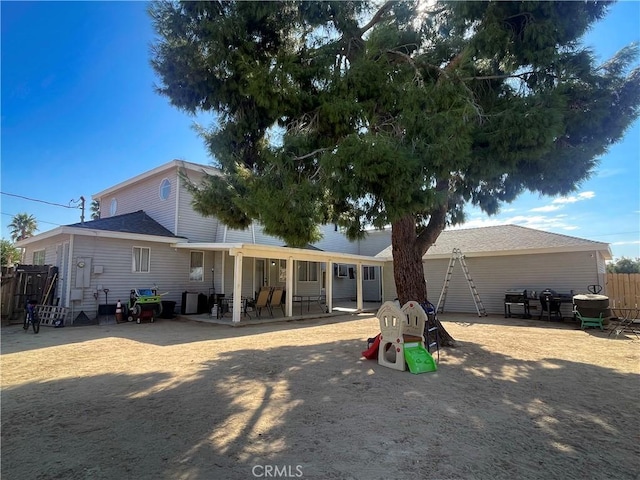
[(322, 411)]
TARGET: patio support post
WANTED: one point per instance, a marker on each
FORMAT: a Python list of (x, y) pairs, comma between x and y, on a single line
[(329, 287), (237, 288), (359, 304), (289, 289), (222, 271)]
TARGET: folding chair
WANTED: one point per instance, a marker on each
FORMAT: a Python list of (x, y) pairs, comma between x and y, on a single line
[(263, 300), (277, 299)]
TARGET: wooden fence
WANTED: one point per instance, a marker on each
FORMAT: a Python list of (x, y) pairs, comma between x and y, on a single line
[(623, 289), (24, 283)]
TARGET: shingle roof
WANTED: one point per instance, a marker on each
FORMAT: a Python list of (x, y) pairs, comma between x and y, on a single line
[(308, 246), (137, 222), (502, 239)]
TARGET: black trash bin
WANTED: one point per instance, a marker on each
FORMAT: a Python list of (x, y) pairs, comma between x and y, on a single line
[(168, 307)]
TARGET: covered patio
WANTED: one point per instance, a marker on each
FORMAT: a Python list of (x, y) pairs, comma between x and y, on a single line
[(297, 303)]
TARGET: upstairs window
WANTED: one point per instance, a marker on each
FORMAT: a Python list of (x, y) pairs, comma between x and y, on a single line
[(165, 189), (113, 208)]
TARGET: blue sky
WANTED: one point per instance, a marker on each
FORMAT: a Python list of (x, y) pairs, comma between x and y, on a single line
[(79, 114)]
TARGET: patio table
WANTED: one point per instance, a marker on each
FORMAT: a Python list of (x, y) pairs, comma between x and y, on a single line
[(226, 305), (301, 299)]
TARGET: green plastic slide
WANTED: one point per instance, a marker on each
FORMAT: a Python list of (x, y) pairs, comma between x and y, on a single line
[(418, 359)]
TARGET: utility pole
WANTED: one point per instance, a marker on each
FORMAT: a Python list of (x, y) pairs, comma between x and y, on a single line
[(81, 209)]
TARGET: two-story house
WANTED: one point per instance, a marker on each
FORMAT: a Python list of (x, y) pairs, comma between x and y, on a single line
[(149, 236)]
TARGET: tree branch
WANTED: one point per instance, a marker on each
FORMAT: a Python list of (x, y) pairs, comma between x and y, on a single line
[(376, 18), (437, 222), (410, 61), (500, 77), (311, 154)]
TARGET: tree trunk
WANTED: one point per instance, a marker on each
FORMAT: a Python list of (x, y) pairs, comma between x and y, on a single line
[(408, 270)]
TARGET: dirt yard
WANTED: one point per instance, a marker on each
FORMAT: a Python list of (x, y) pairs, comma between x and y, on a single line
[(519, 399)]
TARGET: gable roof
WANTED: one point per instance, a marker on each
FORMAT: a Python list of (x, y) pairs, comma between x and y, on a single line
[(166, 167), (506, 240), (137, 222)]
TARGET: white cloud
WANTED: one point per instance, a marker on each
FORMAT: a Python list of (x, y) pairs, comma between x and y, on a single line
[(610, 172), (546, 208), (629, 242), (575, 198)]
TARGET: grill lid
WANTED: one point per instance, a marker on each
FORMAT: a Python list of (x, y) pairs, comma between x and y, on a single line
[(516, 291)]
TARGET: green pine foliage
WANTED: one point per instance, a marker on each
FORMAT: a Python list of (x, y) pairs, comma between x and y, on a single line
[(362, 114)]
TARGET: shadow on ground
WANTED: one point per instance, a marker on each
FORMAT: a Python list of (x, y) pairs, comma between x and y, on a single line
[(319, 411)]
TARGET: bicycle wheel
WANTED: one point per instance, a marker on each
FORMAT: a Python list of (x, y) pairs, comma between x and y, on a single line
[(25, 325), (36, 325)]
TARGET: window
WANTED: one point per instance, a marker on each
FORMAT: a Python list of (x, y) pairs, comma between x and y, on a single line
[(141, 259), (307, 272), (369, 273), (113, 208), (165, 189), (341, 270), (196, 267), (38, 257)]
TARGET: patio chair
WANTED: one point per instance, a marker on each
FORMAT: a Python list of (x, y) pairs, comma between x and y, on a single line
[(262, 301), (277, 299)]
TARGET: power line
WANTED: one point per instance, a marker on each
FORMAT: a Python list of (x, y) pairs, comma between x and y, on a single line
[(42, 201)]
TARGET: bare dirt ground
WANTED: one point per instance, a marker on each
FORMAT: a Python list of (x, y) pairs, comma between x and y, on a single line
[(519, 399)]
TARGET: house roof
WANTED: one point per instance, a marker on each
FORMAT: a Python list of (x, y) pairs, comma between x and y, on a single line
[(172, 165), (137, 222), (131, 226), (308, 246), (506, 240)]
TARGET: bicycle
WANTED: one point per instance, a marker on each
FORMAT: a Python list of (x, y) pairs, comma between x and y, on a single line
[(31, 318)]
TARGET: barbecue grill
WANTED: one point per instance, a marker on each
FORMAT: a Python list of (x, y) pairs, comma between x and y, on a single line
[(516, 296)]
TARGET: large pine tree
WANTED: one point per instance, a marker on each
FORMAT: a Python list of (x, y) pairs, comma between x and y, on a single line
[(362, 114)]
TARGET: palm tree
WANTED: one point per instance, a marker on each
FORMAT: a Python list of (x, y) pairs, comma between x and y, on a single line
[(23, 226), (95, 210)]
